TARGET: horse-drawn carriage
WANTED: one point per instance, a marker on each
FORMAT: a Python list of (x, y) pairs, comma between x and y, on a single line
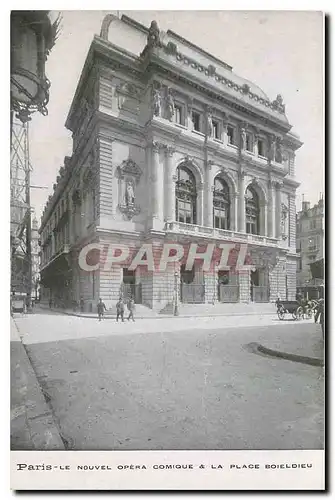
[(296, 308)]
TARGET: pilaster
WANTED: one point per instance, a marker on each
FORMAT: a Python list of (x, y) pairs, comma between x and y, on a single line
[(170, 185), (242, 202)]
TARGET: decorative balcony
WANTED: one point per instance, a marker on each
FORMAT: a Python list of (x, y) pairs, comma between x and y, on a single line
[(218, 234)]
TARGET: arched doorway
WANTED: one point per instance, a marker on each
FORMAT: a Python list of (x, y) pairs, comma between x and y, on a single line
[(221, 204), (252, 211)]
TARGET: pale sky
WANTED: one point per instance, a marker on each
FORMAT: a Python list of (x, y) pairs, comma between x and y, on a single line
[(280, 51)]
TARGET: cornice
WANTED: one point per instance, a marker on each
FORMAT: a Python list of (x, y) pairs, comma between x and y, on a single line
[(161, 66), (291, 182)]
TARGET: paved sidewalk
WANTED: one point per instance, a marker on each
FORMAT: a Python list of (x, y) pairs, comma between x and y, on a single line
[(185, 311), (32, 422), (48, 326), (299, 346)]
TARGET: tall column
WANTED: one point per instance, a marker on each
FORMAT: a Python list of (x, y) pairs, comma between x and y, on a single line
[(264, 219), (278, 209), (200, 204), (234, 217), (156, 198), (208, 217), (242, 203), (170, 186), (272, 210)]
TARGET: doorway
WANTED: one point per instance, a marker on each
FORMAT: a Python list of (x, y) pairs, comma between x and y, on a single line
[(129, 288)]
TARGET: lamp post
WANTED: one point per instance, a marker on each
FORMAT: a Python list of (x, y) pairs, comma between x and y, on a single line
[(33, 35), (32, 38), (175, 310)]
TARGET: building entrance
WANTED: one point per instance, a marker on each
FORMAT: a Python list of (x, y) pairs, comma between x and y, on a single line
[(192, 288), (129, 288), (259, 290), (228, 289)]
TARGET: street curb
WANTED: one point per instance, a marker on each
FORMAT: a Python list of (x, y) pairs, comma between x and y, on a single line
[(39, 419), (290, 357), (162, 316)]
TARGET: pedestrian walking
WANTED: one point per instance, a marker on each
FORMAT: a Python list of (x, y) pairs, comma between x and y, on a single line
[(131, 308), (120, 309), (82, 304), (320, 314), (101, 309)]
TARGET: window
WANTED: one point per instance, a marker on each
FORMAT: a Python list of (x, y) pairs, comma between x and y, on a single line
[(196, 121), (252, 211), (185, 196), (221, 204), (178, 114), (249, 143), (261, 147), (216, 129), (186, 276)]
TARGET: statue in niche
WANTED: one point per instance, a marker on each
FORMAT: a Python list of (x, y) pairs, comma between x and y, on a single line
[(170, 105), (272, 148), (284, 214), (209, 124), (130, 195), (157, 103), (243, 139), (279, 153)]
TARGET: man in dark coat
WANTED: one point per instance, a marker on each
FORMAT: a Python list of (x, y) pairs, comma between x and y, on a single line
[(120, 309)]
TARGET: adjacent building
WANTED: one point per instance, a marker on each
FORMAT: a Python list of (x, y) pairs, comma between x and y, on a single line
[(170, 145), (310, 242)]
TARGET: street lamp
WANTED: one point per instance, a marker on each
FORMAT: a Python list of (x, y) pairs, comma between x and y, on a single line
[(176, 311), (32, 37)]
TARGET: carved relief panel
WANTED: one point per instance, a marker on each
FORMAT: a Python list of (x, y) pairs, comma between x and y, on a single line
[(129, 97), (129, 175)]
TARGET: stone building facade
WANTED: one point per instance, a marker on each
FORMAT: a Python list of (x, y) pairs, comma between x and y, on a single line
[(310, 241), (170, 145)]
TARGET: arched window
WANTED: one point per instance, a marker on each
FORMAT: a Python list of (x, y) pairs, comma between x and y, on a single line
[(221, 204), (252, 211), (186, 196)]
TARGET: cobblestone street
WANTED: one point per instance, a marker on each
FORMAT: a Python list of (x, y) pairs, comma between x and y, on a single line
[(116, 387)]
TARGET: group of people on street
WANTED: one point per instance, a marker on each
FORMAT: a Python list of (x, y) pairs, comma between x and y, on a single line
[(120, 308)]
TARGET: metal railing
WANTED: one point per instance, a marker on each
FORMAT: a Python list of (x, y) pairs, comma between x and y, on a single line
[(260, 294), (228, 293), (192, 293), (183, 228)]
